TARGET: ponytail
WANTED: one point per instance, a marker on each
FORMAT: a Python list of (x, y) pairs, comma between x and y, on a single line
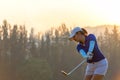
[(84, 32)]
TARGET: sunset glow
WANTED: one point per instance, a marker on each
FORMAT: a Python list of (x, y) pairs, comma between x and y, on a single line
[(51, 13)]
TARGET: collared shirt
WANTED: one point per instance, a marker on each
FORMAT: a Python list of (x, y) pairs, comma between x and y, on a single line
[(97, 54)]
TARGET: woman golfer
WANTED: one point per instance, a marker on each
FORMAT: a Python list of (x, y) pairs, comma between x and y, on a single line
[(87, 46)]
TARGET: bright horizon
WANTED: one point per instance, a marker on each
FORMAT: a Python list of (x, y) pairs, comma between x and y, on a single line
[(44, 14)]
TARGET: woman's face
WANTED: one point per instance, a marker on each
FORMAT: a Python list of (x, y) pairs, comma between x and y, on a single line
[(78, 37)]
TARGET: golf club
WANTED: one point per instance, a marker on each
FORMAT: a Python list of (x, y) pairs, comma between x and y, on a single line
[(66, 74)]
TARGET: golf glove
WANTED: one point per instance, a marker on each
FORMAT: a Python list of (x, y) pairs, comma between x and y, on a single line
[(89, 55)]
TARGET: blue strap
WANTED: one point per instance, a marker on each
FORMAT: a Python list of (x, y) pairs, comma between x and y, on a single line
[(91, 46), (83, 53)]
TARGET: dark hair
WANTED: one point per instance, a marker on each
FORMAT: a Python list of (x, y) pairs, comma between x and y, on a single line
[(84, 32)]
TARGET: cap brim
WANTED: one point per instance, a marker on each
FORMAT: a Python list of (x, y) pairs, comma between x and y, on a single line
[(71, 37)]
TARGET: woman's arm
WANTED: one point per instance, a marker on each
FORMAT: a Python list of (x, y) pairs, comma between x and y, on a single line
[(91, 46), (90, 49), (83, 53)]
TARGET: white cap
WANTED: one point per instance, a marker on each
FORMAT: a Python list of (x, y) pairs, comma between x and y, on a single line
[(74, 31)]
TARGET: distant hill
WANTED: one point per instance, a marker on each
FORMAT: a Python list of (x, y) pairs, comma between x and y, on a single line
[(101, 29)]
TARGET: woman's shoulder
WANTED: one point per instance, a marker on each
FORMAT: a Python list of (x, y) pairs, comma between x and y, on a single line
[(91, 36), (78, 46)]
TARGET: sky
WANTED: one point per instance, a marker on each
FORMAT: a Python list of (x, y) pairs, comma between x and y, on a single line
[(44, 14)]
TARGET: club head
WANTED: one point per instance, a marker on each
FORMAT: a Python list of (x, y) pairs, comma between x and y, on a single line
[(64, 73)]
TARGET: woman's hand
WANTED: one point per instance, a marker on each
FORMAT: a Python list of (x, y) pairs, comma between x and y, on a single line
[(89, 55)]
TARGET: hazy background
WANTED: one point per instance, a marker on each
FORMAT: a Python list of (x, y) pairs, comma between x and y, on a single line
[(34, 34)]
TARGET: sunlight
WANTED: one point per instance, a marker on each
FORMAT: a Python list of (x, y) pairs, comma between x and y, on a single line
[(105, 10), (113, 14), (114, 18), (49, 13)]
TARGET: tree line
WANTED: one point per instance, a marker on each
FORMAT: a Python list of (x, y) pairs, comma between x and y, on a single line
[(26, 56)]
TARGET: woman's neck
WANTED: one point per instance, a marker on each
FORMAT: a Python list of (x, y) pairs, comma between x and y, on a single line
[(83, 40)]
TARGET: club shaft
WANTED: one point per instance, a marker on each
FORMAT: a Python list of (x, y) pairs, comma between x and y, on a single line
[(76, 67)]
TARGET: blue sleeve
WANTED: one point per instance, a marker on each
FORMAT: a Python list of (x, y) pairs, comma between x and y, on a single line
[(91, 46), (92, 40), (81, 51)]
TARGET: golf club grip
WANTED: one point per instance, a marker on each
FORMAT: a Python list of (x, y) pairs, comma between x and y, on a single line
[(77, 67), (63, 72)]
